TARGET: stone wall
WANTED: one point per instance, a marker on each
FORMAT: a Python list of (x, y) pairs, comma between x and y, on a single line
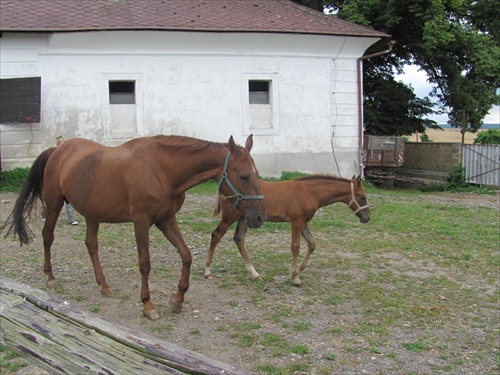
[(433, 161), (438, 157)]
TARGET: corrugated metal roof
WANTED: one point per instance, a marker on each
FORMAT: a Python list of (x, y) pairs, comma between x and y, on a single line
[(269, 16)]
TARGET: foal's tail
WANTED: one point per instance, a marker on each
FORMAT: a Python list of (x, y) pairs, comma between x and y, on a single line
[(217, 206), (31, 190)]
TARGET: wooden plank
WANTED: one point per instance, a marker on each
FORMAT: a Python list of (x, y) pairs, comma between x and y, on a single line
[(61, 338)]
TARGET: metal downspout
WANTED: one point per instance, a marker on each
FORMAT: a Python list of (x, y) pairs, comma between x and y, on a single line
[(360, 100)]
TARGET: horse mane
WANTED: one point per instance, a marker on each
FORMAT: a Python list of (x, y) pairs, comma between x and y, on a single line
[(187, 142), (196, 145)]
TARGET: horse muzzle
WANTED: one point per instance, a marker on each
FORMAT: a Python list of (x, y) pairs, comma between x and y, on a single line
[(255, 221), (364, 220), (364, 216)]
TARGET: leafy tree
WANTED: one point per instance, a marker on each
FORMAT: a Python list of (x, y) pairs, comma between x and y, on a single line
[(391, 107), (488, 137), (456, 42)]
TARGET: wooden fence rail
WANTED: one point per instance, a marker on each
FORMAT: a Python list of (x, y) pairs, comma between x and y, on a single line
[(60, 338)]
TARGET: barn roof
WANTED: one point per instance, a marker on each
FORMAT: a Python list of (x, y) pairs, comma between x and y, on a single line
[(268, 16)]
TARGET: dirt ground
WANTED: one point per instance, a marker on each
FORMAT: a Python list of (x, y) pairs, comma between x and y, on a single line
[(216, 310)]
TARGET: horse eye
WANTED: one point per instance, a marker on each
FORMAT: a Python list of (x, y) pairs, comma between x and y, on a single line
[(244, 177)]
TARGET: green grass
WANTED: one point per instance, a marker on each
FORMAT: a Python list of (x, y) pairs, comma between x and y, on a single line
[(207, 187), (417, 346), (302, 326), (246, 326), (163, 329), (436, 248), (278, 346), (9, 362), (13, 179), (270, 369)]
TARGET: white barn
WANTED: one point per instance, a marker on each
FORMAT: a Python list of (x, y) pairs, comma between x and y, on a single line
[(113, 70)]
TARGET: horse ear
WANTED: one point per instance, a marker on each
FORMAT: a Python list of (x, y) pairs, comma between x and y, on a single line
[(249, 143), (353, 178), (232, 145)]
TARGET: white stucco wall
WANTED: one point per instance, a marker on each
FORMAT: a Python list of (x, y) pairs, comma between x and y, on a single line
[(195, 84)]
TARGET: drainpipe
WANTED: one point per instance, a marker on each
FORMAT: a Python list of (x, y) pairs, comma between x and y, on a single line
[(360, 99)]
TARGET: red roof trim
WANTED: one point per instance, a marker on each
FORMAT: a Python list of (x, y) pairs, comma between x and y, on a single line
[(248, 16)]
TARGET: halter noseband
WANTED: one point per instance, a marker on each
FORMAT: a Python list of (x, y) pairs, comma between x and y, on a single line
[(239, 197), (353, 200)]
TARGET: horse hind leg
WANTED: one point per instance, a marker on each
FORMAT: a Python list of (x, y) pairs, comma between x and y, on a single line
[(93, 248), (142, 240), (171, 231), (51, 214), (216, 237), (48, 240), (294, 273), (311, 245), (239, 239)]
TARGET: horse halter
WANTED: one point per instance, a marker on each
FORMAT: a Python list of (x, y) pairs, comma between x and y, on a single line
[(239, 197), (353, 200)]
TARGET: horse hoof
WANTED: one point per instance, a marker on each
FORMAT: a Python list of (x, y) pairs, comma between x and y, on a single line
[(52, 284), (152, 315), (208, 277), (297, 283), (175, 306), (107, 292)]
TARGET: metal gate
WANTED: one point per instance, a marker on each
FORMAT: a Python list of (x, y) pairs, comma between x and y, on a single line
[(482, 164)]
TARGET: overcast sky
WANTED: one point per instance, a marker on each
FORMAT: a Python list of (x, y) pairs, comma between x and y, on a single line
[(418, 80)]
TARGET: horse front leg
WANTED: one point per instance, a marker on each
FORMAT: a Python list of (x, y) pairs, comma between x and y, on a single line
[(171, 231), (311, 245), (297, 228), (142, 240), (239, 239), (93, 248), (216, 237)]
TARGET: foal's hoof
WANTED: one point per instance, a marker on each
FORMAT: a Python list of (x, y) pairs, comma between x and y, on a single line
[(52, 284), (152, 315), (175, 306), (297, 282), (208, 277), (108, 292)]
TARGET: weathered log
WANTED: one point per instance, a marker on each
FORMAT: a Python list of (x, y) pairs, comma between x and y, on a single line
[(62, 339)]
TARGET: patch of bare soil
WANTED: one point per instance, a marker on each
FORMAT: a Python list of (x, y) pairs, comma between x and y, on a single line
[(217, 312)]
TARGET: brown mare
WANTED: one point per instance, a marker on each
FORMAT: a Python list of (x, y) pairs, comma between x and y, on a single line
[(142, 181), (295, 201)]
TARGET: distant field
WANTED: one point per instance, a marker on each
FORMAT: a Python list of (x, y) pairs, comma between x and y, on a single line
[(446, 135)]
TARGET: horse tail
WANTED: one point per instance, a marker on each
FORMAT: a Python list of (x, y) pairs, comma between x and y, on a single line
[(217, 206), (31, 190)]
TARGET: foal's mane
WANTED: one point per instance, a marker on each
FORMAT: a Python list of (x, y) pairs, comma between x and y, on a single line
[(323, 177)]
